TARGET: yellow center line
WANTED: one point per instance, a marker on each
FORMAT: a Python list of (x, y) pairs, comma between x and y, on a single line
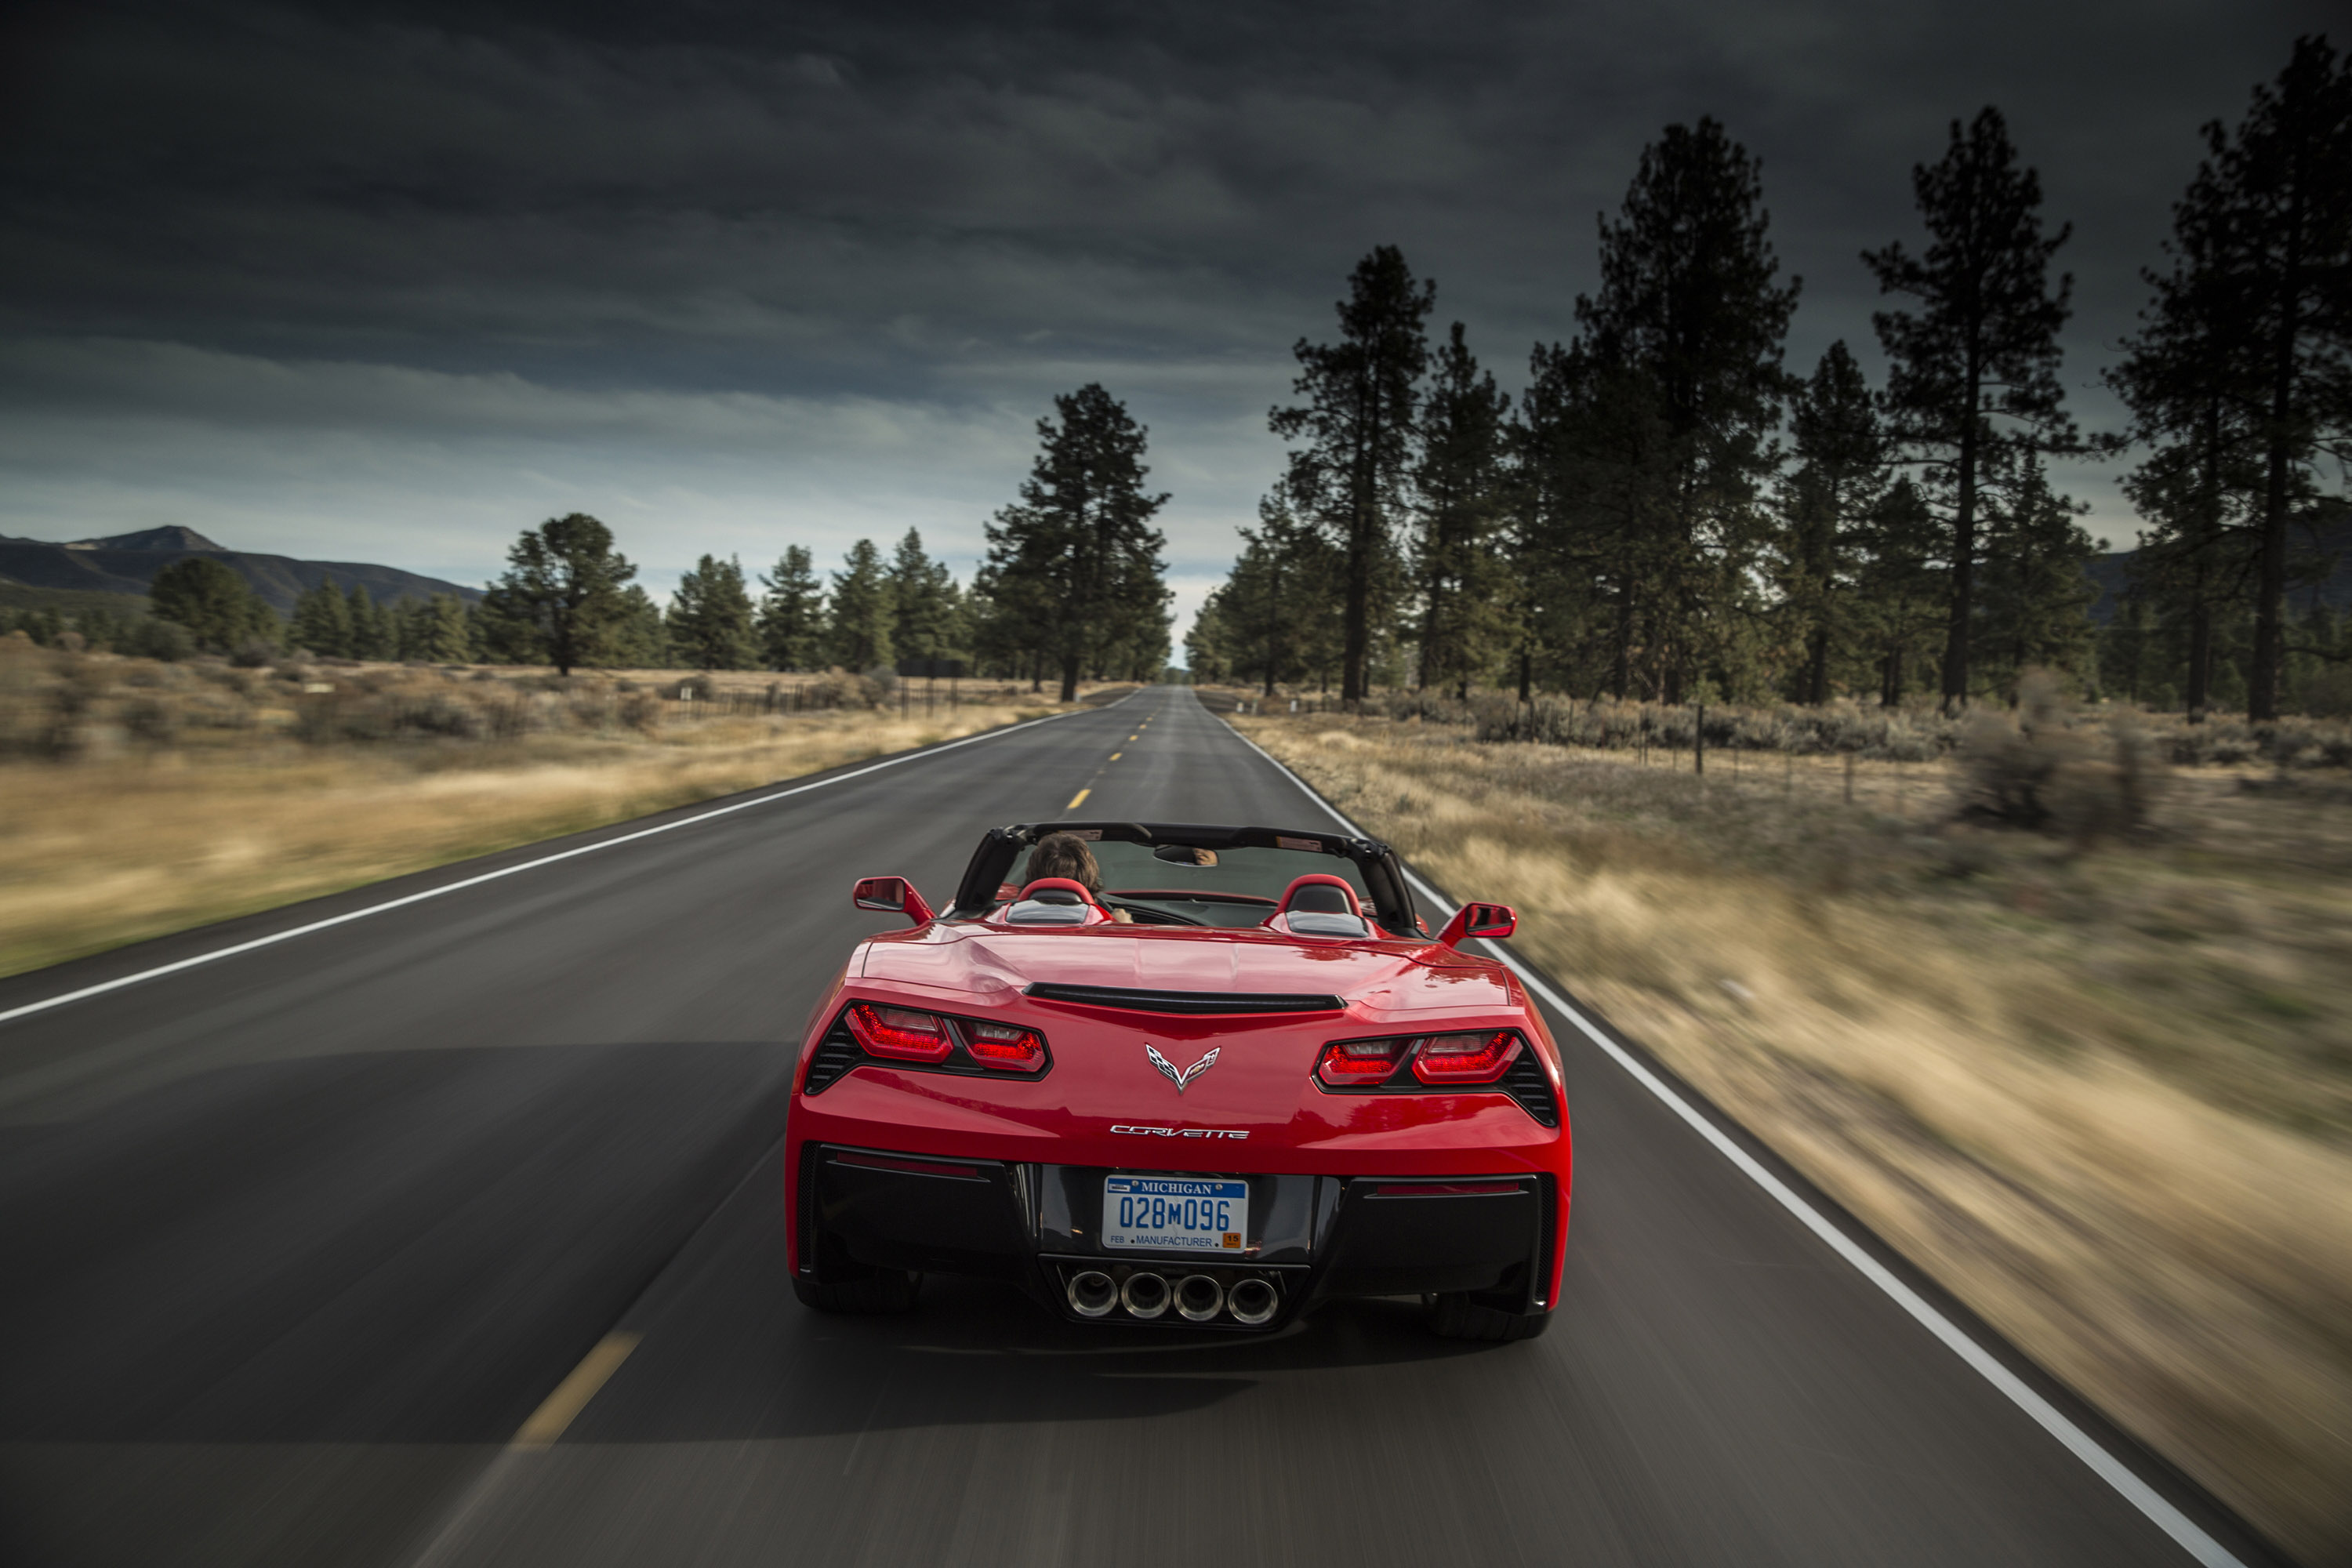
[(1132, 739), (1078, 799), (1116, 755), (572, 1395)]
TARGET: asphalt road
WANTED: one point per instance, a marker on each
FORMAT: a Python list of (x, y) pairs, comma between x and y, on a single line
[(293, 1243)]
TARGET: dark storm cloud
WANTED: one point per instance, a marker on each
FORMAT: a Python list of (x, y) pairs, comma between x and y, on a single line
[(736, 265)]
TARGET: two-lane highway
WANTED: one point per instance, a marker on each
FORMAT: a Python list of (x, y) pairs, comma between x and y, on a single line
[(295, 1242)]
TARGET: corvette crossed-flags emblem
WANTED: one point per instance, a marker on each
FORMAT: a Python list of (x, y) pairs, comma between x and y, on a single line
[(1182, 1079)]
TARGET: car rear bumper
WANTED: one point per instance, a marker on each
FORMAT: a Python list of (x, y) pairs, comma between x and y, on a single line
[(1311, 1238)]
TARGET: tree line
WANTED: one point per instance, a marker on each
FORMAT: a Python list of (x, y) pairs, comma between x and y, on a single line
[(1668, 512), (1072, 586)]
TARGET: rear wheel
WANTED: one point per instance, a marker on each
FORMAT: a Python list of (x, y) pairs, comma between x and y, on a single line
[(1459, 1316), (884, 1290)]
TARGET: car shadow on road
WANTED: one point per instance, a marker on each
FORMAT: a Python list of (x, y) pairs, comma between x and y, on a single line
[(725, 1351)]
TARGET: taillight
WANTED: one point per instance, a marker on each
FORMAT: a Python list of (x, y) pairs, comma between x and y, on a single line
[(1481, 1057), (1003, 1046), (1354, 1063), (899, 1033)]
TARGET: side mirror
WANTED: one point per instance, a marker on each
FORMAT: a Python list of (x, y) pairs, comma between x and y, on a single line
[(891, 895), (1491, 921)]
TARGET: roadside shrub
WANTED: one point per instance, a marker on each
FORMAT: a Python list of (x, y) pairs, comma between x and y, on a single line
[(2035, 770)]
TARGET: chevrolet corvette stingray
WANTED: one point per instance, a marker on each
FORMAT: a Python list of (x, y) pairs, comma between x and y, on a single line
[(1266, 1087)]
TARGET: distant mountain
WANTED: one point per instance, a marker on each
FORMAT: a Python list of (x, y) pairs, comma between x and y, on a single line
[(127, 563), (2111, 573), (184, 540)]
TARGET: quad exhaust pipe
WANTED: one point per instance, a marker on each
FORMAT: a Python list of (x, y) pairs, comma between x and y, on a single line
[(1253, 1302), (1197, 1298), (1144, 1296), (1093, 1293)]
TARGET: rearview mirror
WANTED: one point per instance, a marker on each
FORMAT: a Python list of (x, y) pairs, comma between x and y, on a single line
[(891, 895), (1492, 922), (1185, 854)]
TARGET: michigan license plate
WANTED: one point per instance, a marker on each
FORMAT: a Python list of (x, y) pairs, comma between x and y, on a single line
[(1186, 1214)]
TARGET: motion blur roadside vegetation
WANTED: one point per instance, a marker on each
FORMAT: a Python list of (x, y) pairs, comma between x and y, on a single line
[(2058, 1000), (146, 796)]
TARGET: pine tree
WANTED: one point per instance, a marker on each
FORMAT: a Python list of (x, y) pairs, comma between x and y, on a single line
[(922, 601), (2197, 410), (1357, 424), (559, 599), (2280, 190), (1974, 378), (1902, 588), (640, 637), (369, 638), (221, 613), (791, 614), (1076, 554), (445, 632), (861, 611), (710, 617), (322, 621), (1825, 508), (1691, 318), (1459, 485), (2037, 597)]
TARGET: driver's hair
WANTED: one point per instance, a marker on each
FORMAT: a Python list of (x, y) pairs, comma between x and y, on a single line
[(1065, 855)]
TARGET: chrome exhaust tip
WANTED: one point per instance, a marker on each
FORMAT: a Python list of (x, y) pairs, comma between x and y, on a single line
[(1144, 1295), (1198, 1298), (1092, 1293), (1253, 1302)]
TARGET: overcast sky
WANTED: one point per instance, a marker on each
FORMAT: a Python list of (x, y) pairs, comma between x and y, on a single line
[(393, 282)]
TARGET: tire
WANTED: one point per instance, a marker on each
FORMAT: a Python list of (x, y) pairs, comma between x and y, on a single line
[(1458, 1316), (883, 1291)]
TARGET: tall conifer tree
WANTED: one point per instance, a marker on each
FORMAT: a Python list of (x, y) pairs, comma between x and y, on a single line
[(1974, 377), (1077, 555), (1356, 424), (861, 611), (1459, 503), (792, 612), (710, 618)]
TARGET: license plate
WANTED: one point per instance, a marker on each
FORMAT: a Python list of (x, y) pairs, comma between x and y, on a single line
[(1187, 1213)]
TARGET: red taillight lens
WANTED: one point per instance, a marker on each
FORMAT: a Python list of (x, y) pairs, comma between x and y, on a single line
[(1466, 1058), (897, 1032), (1004, 1046), (1354, 1063)]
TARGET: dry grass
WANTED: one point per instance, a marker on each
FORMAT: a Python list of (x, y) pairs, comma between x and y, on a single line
[(2104, 1096), (138, 799)]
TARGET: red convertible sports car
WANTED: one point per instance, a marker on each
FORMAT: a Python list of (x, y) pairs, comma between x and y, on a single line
[(1220, 1077)]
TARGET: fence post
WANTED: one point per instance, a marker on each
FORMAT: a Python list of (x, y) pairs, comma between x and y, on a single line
[(1699, 742)]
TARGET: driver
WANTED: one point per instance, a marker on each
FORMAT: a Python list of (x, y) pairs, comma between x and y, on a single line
[(1066, 855)]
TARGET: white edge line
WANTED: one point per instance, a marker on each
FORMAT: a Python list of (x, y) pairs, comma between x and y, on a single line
[(2106, 1465), (289, 934)]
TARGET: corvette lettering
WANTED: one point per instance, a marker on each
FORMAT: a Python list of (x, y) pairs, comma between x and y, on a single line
[(1181, 1131)]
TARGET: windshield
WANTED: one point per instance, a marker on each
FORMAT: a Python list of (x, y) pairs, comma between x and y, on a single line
[(1240, 889)]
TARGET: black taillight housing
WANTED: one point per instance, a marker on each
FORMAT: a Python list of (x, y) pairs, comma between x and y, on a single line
[(1498, 1060), (925, 1041)]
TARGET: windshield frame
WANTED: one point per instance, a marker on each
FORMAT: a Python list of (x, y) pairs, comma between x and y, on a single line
[(1376, 863)]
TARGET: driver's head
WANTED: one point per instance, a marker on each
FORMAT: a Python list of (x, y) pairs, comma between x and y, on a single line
[(1065, 855)]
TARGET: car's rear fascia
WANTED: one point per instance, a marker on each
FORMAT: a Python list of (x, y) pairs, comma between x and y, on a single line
[(890, 1165)]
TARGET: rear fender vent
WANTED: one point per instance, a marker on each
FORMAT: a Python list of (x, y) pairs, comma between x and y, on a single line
[(835, 1055), (1131, 1000), (1526, 1083)]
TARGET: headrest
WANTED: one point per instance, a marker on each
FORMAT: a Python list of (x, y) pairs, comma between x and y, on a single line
[(1319, 904), (1319, 892), (1054, 901)]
